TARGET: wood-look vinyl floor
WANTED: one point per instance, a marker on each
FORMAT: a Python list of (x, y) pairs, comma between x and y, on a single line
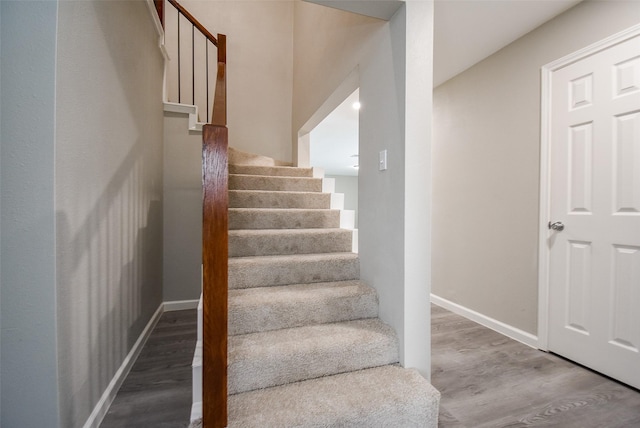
[(489, 380), (157, 391), (486, 380)]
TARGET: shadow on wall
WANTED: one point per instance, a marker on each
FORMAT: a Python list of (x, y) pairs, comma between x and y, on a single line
[(108, 193), (109, 245), (108, 276)]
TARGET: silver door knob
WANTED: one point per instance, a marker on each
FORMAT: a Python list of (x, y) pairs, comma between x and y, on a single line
[(558, 226)]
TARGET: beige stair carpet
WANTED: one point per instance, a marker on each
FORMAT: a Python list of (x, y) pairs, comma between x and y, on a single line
[(384, 397), (306, 346), (272, 308), (265, 218), (252, 242), (291, 218), (288, 199)]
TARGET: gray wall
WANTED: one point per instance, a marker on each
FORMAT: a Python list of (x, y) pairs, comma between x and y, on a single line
[(81, 201), (28, 324), (486, 166), (182, 210), (0, 224), (108, 192)]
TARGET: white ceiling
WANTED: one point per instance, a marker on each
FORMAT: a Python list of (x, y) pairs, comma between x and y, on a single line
[(381, 9), (465, 32)]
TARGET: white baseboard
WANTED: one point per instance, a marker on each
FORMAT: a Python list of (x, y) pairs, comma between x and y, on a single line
[(101, 408), (180, 305), (502, 328), (196, 411), (196, 374)]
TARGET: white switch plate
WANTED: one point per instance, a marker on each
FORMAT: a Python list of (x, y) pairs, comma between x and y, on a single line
[(382, 163)]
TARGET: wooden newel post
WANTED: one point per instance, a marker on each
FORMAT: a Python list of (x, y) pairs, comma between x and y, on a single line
[(215, 255)]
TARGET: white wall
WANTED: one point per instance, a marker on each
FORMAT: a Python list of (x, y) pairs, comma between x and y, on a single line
[(394, 64), (182, 210), (28, 325), (418, 90), (382, 193), (348, 185), (259, 61), (0, 223), (486, 166)]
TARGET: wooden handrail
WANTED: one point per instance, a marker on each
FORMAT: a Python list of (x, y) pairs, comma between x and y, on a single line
[(194, 21), (159, 4), (220, 98)]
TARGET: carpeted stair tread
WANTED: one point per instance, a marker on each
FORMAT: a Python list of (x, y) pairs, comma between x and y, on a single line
[(306, 347), (275, 183), (266, 359), (274, 199), (387, 396), (274, 218), (261, 271), (267, 242), (254, 310), (238, 157), (280, 171)]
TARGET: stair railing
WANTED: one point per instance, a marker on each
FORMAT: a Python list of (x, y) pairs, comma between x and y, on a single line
[(215, 208), (185, 51)]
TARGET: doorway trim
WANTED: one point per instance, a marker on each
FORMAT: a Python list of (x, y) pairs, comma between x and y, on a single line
[(545, 170)]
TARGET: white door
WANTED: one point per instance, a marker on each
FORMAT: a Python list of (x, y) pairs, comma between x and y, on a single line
[(594, 192)]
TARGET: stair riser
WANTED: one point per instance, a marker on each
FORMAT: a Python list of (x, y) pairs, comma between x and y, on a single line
[(266, 199), (280, 184), (267, 243), (273, 308), (318, 351), (283, 219), (271, 171), (249, 273)]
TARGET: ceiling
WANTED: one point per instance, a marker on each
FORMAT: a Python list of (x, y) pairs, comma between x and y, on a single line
[(465, 32)]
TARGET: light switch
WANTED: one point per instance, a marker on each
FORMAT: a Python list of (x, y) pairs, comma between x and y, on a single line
[(382, 163)]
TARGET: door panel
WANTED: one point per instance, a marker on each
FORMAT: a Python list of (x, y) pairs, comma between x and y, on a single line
[(625, 291), (626, 168), (594, 263), (578, 286), (580, 168)]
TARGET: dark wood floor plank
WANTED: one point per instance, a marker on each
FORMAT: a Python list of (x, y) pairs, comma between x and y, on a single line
[(488, 380), (157, 390)]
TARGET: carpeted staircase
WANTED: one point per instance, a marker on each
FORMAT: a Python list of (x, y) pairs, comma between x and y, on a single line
[(306, 346)]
